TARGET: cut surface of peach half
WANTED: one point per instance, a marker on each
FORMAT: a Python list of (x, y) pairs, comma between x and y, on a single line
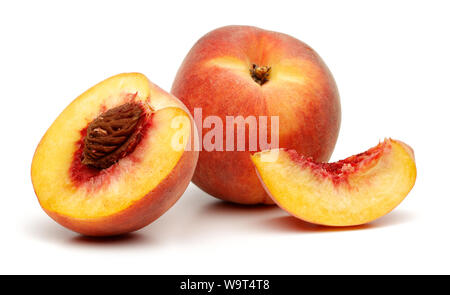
[(353, 191), (116, 158)]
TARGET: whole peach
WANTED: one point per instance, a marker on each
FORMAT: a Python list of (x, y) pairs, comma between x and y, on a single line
[(246, 71)]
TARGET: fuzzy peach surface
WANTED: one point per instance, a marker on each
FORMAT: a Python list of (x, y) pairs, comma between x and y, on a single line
[(308, 192), (154, 174), (301, 91)]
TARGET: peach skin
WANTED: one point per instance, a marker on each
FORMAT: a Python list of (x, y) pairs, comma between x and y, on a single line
[(250, 72)]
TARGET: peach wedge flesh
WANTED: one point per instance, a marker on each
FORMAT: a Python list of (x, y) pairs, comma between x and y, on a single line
[(353, 191), (139, 186)]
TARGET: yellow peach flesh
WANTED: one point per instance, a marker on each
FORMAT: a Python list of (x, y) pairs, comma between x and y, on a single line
[(371, 192), (134, 176)]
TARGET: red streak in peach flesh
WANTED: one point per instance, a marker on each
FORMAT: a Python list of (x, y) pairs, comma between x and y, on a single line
[(339, 171), (81, 174)]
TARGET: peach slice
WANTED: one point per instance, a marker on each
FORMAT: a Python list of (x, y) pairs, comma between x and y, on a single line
[(353, 191), (116, 158)]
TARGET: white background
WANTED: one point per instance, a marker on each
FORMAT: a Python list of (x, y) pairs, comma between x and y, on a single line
[(391, 63)]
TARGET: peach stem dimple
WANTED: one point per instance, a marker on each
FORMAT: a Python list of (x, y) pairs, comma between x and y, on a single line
[(260, 74)]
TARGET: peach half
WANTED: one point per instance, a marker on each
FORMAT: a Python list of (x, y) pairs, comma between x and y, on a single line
[(353, 191), (116, 158)]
